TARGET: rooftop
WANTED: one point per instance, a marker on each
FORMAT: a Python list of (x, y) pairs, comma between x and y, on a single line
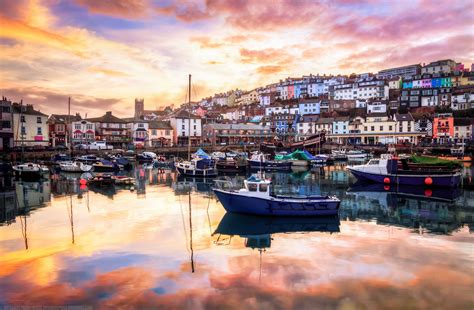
[(107, 118)]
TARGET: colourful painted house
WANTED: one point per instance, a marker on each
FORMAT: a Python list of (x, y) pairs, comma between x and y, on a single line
[(426, 83), (443, 127)]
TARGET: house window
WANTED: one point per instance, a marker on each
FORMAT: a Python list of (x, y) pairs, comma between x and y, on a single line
[(89, 126), (381, 128), (23, 130), (38, 120), (39, 131), (22, 118), (182, 127), (77, 126), (140, 126), (390, 128), (194, 127), (372, 128), (167, 132), (153, 132)]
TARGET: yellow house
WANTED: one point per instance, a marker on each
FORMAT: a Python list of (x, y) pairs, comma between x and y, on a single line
[(160, 134), (30, 127)]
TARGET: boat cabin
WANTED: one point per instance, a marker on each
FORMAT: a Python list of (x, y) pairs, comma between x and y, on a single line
[(256, 187)]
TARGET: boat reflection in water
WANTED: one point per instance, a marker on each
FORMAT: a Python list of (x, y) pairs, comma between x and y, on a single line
[(433, 210), (255, 228)]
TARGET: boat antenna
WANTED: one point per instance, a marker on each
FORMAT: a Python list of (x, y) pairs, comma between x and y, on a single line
[(189, 118), (68, 126)]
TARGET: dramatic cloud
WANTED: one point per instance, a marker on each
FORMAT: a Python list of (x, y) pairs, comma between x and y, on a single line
[(141, 48)]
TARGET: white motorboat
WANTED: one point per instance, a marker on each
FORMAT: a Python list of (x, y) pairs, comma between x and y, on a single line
[(355, 155), (31, 170), (75, 166)]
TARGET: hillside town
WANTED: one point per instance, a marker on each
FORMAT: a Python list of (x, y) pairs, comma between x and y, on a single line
[(415, 104)]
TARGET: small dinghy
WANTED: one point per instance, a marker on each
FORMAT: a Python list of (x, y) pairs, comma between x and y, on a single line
[(257, 198)]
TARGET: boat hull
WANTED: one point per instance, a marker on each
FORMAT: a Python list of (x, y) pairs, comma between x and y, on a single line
[(231, 167), (233, 202), (106, 168), (270, 165), (449, 180)]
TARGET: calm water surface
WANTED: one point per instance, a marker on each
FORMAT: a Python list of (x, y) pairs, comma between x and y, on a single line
[(169, 243)]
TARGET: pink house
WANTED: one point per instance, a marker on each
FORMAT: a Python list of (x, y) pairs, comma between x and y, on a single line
[(426, 83), (291, 91), (200, 112)]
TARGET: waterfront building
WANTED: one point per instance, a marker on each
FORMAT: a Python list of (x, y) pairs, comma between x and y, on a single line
[(467, 78), (340, 127), (404, 71), (186, 126), (443, 127), (324, 125), (463, 129), (306, 126), (378, 128), (367, 89), (60, 128), (284, 124), (160, 133), (440, 66), (6, 124), (234, 134), (30, 126), (462, 98), (111, 129), (138, 131), (424, 125), (405, 125), (83, 131)]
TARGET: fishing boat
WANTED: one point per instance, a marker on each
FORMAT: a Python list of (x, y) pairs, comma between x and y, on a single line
[(30, 170), (201, 165), (146, 157), (298, 159), (356, 155), (256, 198), (74, 166), (89, 159), (388, 171), (104, 165), (262, 161), (339, 154), (231, 165), (58, 158)]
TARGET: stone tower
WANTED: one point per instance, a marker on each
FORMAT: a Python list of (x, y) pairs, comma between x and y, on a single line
[(139, 107)]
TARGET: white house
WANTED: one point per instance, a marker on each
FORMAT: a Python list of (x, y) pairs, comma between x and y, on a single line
[(376, 107), (160, 134), (138, 130), (30, 126), (405, 124), (186, 126), (306, 126), (83, 131)]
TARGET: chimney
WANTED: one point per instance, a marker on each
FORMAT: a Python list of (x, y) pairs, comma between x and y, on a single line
[(108, 113)]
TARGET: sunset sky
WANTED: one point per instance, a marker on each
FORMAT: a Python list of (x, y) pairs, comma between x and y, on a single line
[(106, 53)]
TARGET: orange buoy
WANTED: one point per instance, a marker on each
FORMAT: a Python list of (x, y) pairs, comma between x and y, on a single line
[(428, 192), (83, 181), (386, 180), (386, 187), (428, 181)]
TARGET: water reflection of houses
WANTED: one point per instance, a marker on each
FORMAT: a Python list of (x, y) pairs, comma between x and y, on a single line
[(23, 197)]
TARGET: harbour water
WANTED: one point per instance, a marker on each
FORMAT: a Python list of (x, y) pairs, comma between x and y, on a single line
[(169, 243)]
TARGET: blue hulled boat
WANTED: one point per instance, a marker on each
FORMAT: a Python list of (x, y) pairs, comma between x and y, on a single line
[(256, 198), (263, 162), (387, 170)]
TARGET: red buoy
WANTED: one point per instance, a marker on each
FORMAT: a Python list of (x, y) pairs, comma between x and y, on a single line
[(83, 186), (386, 180), (428, 192), (428, 181), (83, 181)]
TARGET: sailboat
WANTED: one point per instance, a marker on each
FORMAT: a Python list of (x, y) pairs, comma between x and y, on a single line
[(201, 165)]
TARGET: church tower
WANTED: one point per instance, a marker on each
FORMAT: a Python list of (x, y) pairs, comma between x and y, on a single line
[(139, 107)]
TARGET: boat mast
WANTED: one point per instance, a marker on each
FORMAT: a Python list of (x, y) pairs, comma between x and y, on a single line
[(68, 130), (189, 118)]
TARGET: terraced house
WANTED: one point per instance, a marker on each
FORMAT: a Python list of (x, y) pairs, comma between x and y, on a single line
[(111, 129), (30, 126)]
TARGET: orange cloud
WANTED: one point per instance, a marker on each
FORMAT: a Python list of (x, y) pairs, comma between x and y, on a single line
[(107, 72), (129, 9)]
